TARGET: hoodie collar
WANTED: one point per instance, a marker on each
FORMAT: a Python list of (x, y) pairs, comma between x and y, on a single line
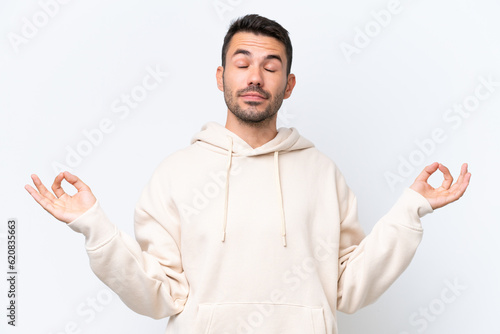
[(215, 135)]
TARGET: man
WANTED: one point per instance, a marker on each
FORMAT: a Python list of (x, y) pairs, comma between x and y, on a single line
[(250, 229)]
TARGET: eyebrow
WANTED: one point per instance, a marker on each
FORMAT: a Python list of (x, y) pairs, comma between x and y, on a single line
[(248, 53)]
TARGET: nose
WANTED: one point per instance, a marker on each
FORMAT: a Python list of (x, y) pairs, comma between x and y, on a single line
[(255, 77)]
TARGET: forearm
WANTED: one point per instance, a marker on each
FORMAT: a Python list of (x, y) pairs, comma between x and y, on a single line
[(369, 269), (136, 276)]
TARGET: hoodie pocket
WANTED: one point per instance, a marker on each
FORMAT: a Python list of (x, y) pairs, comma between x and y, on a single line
[(258, 318)]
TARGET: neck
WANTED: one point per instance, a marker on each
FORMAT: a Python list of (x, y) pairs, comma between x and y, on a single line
[(254, 134)]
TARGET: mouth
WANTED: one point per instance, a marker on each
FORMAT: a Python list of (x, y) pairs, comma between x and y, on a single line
[(252, 97)]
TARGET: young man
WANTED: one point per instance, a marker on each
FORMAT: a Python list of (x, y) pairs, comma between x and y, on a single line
[(250, 229)]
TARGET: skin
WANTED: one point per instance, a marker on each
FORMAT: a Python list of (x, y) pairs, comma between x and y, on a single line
[(253, 119), (255, 71), (448, 192)]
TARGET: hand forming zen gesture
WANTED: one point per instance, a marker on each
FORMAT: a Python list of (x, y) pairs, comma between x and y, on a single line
[(446, 193), (62, 206)]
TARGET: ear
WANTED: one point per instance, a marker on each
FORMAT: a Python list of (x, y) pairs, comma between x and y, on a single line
[(289, 85), (220, 79)]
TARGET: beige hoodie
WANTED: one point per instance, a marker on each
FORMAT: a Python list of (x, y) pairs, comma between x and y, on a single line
[(231, 239)]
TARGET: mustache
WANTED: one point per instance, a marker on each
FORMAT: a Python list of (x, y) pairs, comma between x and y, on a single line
[(254, 89)]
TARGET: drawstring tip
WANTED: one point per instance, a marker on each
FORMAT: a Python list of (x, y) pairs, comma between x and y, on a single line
[(223, 236), (284, 241)]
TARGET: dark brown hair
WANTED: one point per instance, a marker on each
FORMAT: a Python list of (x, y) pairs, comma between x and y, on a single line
[(259, 25)]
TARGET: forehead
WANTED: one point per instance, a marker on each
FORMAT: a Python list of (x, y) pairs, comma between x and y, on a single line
[(255, 44)]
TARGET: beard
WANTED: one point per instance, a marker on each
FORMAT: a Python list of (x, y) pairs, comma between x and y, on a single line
[(250, 115)]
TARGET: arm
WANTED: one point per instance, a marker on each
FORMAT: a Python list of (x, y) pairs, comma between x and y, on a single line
[(147, 274), (369, 265)]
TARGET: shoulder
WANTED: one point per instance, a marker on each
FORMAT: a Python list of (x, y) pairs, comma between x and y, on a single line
[(327, 170), (318, 160)]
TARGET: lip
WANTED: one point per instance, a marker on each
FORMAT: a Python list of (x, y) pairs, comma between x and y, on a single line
[(250, 96)]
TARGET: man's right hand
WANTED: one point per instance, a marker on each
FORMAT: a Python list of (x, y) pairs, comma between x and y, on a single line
[(62, 206)]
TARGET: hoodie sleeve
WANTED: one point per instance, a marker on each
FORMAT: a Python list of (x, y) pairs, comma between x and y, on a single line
[(146, 273), (368, 265)]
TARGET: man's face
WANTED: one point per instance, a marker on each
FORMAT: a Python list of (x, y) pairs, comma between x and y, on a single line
[(254, 79)]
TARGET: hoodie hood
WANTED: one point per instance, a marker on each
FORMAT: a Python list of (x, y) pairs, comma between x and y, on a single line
[(218, 138)]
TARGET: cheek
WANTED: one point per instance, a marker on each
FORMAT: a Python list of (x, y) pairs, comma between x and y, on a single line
[(232, 82), (279, 88), (279, 83)]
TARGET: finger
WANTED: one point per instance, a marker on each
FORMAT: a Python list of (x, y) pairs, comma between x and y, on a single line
[(463, 172), (56, 186), (43, 201), (75, 181), (460, 187), (463, 184), (428, 171), (41, 188), (448, 179), (33, 192)]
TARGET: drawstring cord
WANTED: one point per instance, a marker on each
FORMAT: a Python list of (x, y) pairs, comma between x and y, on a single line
[(278, 186), (280, 198), (230, 155)]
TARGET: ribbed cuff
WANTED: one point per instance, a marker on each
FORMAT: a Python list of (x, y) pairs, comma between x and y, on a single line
[(95, 226), (424, 207), (413, 205)]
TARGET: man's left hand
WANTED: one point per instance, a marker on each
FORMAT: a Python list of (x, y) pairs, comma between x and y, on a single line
[(446, 193)]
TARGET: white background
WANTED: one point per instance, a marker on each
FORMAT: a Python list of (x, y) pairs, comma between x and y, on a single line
[(367, 112)]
